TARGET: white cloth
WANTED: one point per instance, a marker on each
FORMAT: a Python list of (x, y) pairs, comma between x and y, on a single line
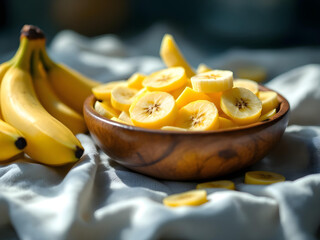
[(99, 199)]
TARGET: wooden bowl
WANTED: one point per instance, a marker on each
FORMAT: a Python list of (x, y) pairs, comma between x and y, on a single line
[(175, 155)]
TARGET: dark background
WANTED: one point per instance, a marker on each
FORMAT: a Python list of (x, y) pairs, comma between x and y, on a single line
[(209, 24)]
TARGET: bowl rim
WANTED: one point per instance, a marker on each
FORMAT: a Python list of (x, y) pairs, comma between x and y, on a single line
[(284, 109)]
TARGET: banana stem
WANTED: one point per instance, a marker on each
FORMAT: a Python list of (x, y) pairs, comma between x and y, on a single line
[(35, 71), (23, 55)]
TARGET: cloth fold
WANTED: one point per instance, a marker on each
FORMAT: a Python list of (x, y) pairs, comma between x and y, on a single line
[(97, 198)]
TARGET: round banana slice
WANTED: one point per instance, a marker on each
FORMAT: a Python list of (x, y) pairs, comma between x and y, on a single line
[(269, 100), (202, 68), (225, 123), (153, 110), (103, 91), (189, 95), (263, 177), (166, 80), (105, 109), (172, 128), (199, 115), (125, 117), (122, 97), (217, 184), (189, 198), (248, 84), (241, 105), (213, 81), (118, 120), (268, 115), (135, 81)]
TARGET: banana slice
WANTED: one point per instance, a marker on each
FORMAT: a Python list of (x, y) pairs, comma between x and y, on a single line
[(125, 117), (269, 100), (199, 115), (153, 110), (217, 184), (103, 91), (189, 95), (202, 68), (253, 72), (118, 120), (135, 81), (241, 105), (105, 109), (189, 198), (166, 80), (213, 81), (172, 56), (225, 123), (263, 177), (268, 115), (248, 84), (122, 97), (172, 128)]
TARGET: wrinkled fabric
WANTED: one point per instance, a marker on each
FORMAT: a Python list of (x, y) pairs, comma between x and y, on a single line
[(97, 198)]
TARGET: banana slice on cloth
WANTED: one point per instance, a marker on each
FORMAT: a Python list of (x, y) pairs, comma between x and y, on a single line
[(227, 184), (263, 177), (198, 115), (122, 97), (153, 110), (189, 198), (269, 100), (248, 84), (213, 81), (241, 105), (166, 80)]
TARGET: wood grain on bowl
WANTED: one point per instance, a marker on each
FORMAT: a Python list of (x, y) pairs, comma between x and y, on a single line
[(174, 155)]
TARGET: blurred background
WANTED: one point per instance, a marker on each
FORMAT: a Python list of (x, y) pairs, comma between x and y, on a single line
[(211, 26)]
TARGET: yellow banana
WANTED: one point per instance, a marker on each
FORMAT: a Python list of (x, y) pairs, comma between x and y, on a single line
[(172, 56), (49, 141), (11, 141), (50, 101), (71, 86)]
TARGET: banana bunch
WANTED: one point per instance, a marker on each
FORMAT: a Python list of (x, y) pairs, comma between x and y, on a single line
[(41, 104)]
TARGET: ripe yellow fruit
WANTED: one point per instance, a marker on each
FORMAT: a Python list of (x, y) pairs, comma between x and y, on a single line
[(125, 117), (105, 109), (241, 105), (202, 68), (122, 97), (189, 95), (248, 84), (217, 184), (268, 115), (135, 81), (118, 120), (166, 80), (269, 100), (263, 177), (172, 56), (213, 81), (226, 123), (199, 115), (153, 110), (172, 128), (189, 198), (103, 91)]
